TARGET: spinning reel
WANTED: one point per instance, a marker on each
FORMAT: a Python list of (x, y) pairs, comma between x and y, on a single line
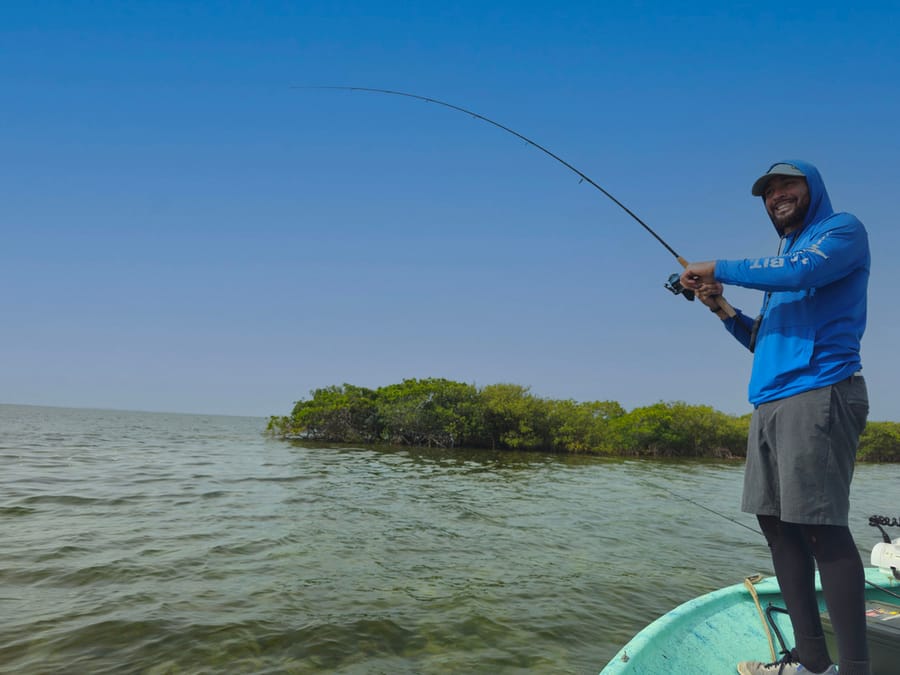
[(674, 284)]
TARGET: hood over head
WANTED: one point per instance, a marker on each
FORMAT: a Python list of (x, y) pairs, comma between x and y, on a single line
[(819, 202)]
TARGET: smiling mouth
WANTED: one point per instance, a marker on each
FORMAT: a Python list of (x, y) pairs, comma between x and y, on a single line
[(784, 207)]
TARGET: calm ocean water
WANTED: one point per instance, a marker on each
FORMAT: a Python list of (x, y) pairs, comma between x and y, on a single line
[(161, 543)]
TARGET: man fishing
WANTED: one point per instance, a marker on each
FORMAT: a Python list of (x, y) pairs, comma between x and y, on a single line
[(810, 407)]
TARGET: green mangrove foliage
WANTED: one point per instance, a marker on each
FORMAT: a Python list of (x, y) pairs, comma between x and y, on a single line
[(441, 413), (436, 412), (880, 442)]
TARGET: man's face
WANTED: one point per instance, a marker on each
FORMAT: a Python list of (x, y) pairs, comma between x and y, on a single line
[(787, 201)]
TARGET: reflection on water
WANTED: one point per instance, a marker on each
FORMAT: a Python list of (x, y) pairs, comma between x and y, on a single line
[(152, 543)]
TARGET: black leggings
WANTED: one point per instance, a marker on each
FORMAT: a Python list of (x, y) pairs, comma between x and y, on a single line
[(796, 549)]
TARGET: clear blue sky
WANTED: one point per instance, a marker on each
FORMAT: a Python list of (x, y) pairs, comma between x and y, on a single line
[(182, 230)]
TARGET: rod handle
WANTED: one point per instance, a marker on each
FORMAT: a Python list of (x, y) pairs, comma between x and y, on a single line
[(724, 305)]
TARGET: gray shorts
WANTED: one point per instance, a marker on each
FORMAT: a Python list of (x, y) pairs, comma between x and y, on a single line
[(801, 453)]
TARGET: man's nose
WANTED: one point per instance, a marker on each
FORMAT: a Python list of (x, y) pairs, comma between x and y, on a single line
[(777, 191)]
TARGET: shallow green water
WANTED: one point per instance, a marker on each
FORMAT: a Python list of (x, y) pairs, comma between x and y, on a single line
[(153, 543)]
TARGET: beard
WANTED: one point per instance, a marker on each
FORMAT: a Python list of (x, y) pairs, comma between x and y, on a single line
[(786, 221)]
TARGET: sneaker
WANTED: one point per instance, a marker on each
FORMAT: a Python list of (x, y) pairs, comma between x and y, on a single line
[(786, 666)]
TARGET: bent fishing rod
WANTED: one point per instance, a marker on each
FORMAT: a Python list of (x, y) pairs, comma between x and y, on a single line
[(673, 284)]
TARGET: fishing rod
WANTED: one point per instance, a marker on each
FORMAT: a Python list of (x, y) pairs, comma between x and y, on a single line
[(673, 284)]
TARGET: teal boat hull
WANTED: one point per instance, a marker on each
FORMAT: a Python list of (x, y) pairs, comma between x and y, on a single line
[(712, 633)]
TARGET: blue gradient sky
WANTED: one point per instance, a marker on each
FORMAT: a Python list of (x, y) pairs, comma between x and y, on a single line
[(182, 230)]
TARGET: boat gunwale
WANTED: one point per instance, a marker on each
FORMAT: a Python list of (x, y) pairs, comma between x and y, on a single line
[(634, 655)]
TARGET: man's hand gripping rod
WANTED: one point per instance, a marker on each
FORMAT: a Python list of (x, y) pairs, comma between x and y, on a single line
[(674, 284)]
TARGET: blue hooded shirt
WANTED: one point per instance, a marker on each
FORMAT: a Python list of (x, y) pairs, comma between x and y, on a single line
[(814, 312)]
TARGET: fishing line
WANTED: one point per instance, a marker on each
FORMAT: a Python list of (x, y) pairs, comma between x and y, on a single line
[(706, 508), (875, 521), (673, 285)]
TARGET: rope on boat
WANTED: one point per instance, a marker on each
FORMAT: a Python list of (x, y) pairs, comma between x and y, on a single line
[(748, 582)]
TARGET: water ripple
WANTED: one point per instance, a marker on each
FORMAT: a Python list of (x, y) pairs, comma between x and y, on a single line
[(150, 543)]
